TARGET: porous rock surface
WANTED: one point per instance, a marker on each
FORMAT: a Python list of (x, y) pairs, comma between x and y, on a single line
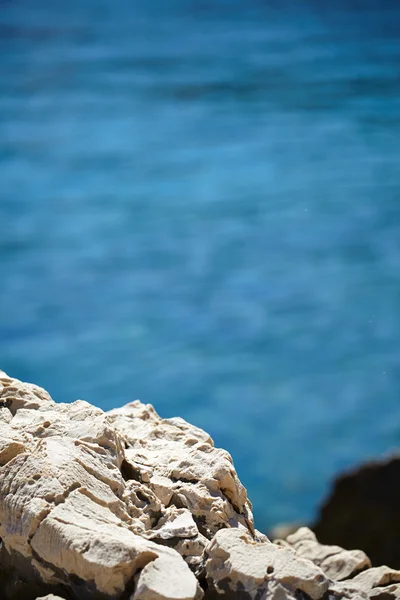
[(128, 506)]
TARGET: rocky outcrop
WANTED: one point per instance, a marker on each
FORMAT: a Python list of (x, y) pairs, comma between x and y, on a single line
[(181, 466), (338, 564), (363, 511), (236, 564), (128, 506)]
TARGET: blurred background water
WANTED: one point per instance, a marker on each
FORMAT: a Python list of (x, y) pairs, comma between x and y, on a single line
[(200, 208)]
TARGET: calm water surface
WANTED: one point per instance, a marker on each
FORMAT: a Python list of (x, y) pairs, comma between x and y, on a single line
[(200, 208)]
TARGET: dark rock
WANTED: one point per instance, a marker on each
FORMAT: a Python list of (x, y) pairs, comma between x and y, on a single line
[(363, 511)]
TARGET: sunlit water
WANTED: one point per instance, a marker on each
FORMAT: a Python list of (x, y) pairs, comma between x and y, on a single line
[(200, 208)]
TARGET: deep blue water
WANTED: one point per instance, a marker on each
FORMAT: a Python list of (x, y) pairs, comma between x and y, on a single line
[(200, 208)]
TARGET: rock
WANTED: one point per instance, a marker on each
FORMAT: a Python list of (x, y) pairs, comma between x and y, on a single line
[(378, 583), (239, 567), (377, 578), (363, 512), (86, 540), (50, 597), (336, 563), (390, 592), (177, 529), (175, 523), (11, 443), (111, 506), (182, 466), (72, 513), (152, 583), (15, 394)]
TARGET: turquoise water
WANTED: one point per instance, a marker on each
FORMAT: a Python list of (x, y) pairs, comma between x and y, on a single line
[(200, 208)]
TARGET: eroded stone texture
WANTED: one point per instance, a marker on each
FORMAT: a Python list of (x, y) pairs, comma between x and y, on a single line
[(177, 529), (182, 466), (379, 583), (336, 563), (237, 564), (152, 584), (71, 510), (377, 577), (128, 506), (11, 443), (15, 394)]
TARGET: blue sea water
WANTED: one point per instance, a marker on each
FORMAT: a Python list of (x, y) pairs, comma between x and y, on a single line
[(200, 208)]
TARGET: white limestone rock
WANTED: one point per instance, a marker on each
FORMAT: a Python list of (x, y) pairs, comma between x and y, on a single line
[(175, 523), (191, 550), (182, 466), (11, 442), (389, 592), (350, 571), (101, 506), (88, 507), (177, 529), (377, 577), (377, 583), (152, 583), (161, 486), (142, 504), (68, 508), (336, 563), (238, 564), (15, 394)]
